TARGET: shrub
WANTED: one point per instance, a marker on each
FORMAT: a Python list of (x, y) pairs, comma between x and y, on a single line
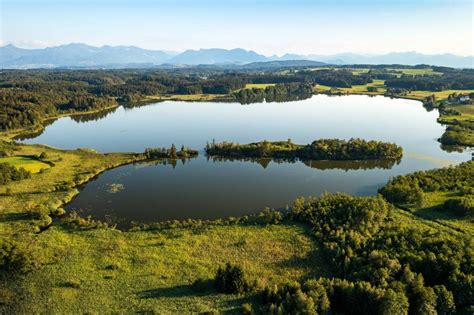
[(231, 279), (269, 216), (463, 206), (15, 258), (247, 309)]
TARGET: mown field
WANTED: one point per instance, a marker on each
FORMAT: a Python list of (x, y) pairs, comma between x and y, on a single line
[(400, 71), (363, 89), (183, 97), (442, 95), (29, 163), (258, 85)]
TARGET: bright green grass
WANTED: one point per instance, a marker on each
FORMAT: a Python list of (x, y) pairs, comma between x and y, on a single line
[(29, 163), (427, 71), (362, 89), (318, 88), (400, 71), (360, 71), (52, 187), (184, 97), (442, 95), (258, 85), (432, 210), (128, 272)]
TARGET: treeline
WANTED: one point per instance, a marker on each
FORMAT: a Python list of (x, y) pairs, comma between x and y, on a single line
[(29, 97), (381, 266), (323, 149), (9, 173), (452, 80)]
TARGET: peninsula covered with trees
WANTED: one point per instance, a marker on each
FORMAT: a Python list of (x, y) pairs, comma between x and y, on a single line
[(322, 149)]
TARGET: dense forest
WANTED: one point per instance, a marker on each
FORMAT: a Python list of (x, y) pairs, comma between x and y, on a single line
[(323, 149), (382, 266)]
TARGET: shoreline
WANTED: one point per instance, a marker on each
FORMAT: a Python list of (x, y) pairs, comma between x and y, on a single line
[(146, 100)]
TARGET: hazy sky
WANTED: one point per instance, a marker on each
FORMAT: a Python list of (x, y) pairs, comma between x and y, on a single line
[(268, 27)]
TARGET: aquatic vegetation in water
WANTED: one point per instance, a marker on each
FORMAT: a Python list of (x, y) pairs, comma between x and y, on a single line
[(114, 188)]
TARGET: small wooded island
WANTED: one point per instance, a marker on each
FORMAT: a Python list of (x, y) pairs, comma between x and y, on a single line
[(322, 149), (171, 153)]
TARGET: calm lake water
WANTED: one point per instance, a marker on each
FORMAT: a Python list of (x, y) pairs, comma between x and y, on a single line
[(209, 189)]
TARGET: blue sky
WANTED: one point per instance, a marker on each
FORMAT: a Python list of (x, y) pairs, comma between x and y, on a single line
[(268, 27)]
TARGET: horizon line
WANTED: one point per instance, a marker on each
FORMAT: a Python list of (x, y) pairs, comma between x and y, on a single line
[(245, 49)]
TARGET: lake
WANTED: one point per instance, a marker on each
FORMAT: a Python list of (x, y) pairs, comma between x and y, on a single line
[(210, 189)]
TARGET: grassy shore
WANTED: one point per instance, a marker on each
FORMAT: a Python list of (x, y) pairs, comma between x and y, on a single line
[(45, 191), (96, 269)]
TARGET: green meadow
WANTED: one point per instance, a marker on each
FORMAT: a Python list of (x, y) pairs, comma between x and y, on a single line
[(29, 163)]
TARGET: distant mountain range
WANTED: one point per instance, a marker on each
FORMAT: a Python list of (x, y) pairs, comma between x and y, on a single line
[(85, 56)]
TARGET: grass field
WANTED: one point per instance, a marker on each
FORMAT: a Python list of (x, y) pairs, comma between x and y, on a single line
[(431, 210), (400, 71), (442, 95), (465, 110), (258, 85), (362, 89), (52, 187), (183, 97), (360, 71), (104, 269), (318, 88), (427, 71), (29, 163)]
